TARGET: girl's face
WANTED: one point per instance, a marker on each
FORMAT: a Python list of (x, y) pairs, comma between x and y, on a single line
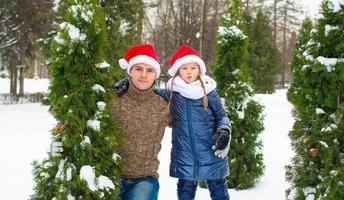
[(189, 72)]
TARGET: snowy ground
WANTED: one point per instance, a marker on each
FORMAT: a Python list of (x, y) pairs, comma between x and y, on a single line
[(25, 136)]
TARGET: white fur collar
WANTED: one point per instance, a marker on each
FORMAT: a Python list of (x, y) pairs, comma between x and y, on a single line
[(193, 90)]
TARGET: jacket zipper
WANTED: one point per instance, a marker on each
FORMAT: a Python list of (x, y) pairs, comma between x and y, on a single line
[(195, 170)]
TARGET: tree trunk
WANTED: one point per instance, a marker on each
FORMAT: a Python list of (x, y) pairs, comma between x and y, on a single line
[(35, 66), (13, 75), (284, 50), (21, 82), (140, 23), (247, 5), (202, 27), (275, 21), (181, 21)]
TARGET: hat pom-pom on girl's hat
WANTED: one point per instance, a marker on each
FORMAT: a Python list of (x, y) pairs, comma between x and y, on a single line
[(140, 54), (184, 55)]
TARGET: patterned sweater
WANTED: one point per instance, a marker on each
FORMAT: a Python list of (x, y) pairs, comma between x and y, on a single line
[(143, 116)]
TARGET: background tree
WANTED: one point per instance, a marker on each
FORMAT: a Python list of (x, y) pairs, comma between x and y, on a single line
[(124, 21), (22, 22), (178, 22), (283, 15), (297, 93), (9, 33), (80, 95), (275, 11), (264, 57), (252, 6), (289, 13), (230, 70), (317, 170)]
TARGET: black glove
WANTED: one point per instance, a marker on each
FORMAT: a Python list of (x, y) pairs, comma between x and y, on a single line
[(121, 87), (221, 137)]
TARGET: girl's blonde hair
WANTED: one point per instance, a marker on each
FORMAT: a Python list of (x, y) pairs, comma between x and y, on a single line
[(205, 98)]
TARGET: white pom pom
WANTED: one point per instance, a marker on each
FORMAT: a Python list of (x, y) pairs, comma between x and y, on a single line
[(171, 71), (123, 63)]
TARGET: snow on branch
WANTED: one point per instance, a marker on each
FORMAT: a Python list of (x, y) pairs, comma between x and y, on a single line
[(233, 31), (329, 62), (87, 173), (73, 31), (103, 65), (5, 19), (9, 43), (336, 5)]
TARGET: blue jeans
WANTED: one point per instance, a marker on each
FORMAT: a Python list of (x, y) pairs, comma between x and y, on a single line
[(187, 189), (145, 188)]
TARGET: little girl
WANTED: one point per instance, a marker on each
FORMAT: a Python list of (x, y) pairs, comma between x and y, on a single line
[(200, 128)]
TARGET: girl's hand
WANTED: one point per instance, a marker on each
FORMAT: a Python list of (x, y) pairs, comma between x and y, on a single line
[(222, 140), (121, 87), (222, 137), (222, 153)]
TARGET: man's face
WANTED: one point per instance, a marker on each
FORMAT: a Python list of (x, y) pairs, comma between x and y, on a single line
[(142, 76)]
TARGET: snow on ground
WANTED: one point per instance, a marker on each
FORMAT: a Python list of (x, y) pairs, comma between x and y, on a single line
[(25, 136)]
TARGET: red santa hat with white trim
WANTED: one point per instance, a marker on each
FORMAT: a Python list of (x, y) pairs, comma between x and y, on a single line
[(184, 55), (140, 54)]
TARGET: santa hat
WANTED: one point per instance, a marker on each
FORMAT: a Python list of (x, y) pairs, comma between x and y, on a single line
[(184, 55), (140, 54)]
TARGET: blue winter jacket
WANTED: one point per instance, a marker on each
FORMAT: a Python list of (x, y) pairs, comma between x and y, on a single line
[(193, 129)]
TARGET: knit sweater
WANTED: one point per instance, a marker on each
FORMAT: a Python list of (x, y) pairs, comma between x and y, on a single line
[(143, 116)]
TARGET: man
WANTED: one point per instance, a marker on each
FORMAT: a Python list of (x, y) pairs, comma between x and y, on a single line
[(143, 116)]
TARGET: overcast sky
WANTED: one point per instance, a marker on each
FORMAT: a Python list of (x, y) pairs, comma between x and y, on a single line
[(310, 7)]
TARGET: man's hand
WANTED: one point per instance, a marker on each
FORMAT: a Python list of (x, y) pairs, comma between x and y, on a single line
[(222, 140), (121, 87)]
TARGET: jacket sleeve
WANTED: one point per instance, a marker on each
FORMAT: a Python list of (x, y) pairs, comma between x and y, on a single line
[(220, 115), (164, 93)]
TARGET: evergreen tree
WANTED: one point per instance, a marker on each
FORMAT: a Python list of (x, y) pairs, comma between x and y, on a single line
[(317, 92), (123, 24), (80, 95), (294, 93), (230, 70), (264, 57), (123, 21)]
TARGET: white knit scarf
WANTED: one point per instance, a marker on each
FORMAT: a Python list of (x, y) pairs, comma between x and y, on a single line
[(192, 90)]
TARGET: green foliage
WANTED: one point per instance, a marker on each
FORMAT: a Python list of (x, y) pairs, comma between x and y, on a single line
[(317, 93), (123, 21), (79, 97), (230, 70), (202, 184), (264, 57)]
